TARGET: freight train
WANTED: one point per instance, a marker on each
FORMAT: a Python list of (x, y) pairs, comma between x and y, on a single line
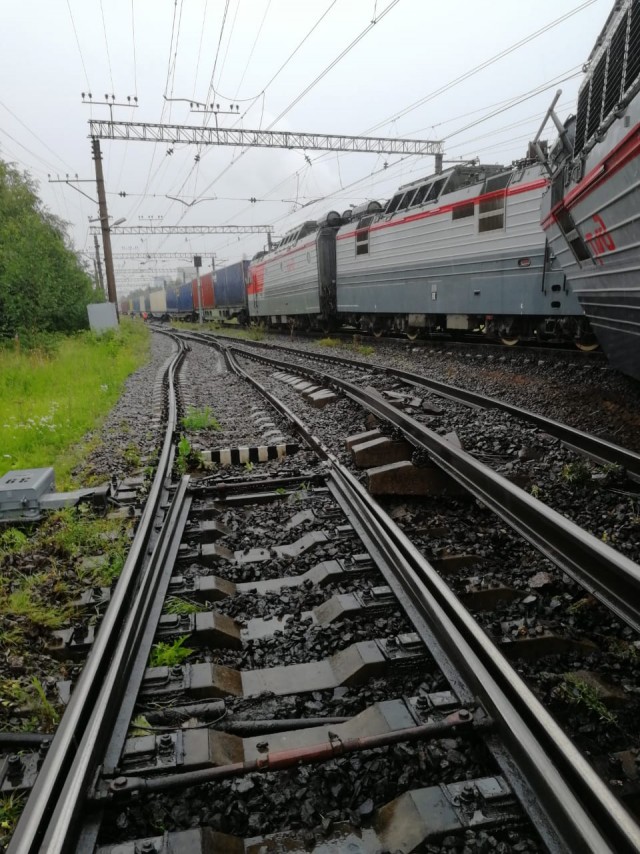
[(222, 294), (458, 251), (591, 211)]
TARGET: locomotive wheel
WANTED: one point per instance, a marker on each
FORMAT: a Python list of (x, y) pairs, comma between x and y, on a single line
[(412, 333), (377, 333), (586, 348), (510, 342)]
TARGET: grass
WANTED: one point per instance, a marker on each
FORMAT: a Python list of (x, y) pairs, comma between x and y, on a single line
[(576, 474), (177, 605), (200, 419), (30, 703), (329, 342), (50, 397), (10, 809), (576, 691), (170, 653), (68, 552), (364, 349)]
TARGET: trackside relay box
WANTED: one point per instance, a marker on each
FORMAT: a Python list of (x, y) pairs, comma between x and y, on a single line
[(21, 491)]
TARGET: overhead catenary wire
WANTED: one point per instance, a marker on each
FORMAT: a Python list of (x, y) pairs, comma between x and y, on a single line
[(442, 89), (481, 66), (211, 89), (579, 8), (511, 102), (75, 32), (255, 98), (202, 28), (35, 135), (229, 40), (106, 44), (338, 58), (253, 47), (308, 88), (133, 39), (476, 69)]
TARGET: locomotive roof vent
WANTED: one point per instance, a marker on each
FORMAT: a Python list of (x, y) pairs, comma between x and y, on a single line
[(331, 219), (347, 215), (366, 208)]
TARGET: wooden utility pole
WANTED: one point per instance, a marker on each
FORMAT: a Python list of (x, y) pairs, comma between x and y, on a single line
[(104, 224), (98, 262)]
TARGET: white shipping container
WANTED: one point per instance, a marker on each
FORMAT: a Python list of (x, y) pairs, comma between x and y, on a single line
[(158, 301)]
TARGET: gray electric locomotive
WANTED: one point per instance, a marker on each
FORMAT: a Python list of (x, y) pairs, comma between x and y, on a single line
[(461, 250)]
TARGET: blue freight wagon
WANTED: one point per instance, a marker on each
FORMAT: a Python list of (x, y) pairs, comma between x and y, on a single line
[(230, 290), (173, 292), (185, 298)]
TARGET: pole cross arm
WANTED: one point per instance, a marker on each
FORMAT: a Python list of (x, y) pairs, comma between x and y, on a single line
[(186, 229), (194, 135)]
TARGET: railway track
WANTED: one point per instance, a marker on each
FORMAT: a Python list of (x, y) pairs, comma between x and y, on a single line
[(309, 600)]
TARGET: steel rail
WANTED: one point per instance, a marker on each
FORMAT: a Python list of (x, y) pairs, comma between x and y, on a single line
[(50, 804), (572, 808), (600, 450), (600, 569)]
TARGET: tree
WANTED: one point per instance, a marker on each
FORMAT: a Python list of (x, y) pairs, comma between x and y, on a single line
[(43, 287)]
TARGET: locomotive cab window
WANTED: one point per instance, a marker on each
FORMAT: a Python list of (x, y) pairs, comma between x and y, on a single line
[(435, 189), (362, 236), (406, 199), (420, 195), (393, 204)]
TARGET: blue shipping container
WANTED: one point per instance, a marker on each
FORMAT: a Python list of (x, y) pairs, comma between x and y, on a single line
[(185, 297), (229, 287), (173, 292)]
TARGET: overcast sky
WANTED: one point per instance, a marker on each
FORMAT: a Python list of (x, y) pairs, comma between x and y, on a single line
[(228, 51)]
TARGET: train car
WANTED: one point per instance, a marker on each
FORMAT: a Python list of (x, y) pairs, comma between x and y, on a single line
[(144, 302), (185, 298), (172, 294), (460, 250), (158, 301), (206, 289), (230, 291), (124, 306), (135, 305), (294, 284), (591, 213)]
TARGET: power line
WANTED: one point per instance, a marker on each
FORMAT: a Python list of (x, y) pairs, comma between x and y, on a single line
[(173, 25), (75, 32), (312, 84), (211, 88), (106, 42), (229, 40), (204, 18), (34, 135), (337, 60), (575, 72), (28, 150), (253, 47), (476, 69), (135, 64), (483, 65), (254, 99)]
